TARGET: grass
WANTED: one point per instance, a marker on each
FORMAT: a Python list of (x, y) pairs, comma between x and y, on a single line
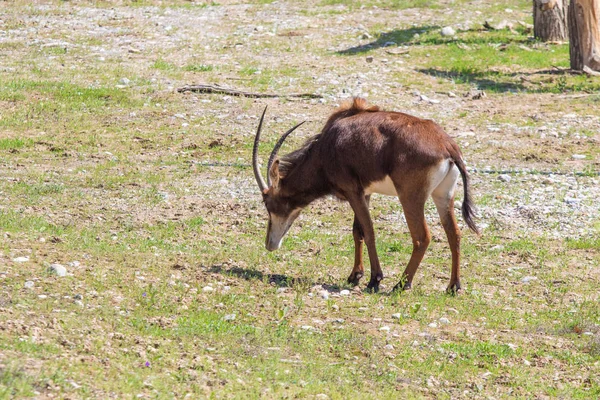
[(146, 196)]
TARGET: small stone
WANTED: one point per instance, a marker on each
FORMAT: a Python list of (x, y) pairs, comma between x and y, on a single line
[(397, 316), (321, 396), (504, 177), (307, 327), (432, 325), (369, 59), (448, 31), (588, 333), (29, 285), (124, 81), (42, 296), (526, 362), (324, 294), (389, 347), (208, 289), (444, 321), (528, 279), (229, 317), (21, 259), (78, 297), (345, 292), (578, 156), (385, 329), (57, 269), (281, 290)]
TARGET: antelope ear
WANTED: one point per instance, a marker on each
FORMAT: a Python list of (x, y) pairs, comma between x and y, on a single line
[(274, 173)]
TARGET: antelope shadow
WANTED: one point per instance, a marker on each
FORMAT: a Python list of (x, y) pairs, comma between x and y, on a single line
[(278, 280)]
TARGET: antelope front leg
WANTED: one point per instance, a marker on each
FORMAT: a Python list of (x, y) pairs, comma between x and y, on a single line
[(357, 232), (360, 205)]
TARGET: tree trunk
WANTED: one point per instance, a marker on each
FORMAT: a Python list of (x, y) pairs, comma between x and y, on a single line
[(550, 20), (584, 34)]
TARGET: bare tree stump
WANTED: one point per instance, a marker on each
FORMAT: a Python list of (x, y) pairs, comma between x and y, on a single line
[(584, 35), (550, 20)]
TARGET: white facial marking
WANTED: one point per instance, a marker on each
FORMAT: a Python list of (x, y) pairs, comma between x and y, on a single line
[(278, 227)]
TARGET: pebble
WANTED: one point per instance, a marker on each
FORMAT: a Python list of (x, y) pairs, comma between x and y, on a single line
[(578, 156), (504, 177), (208, 289), (448, 31), (29, 285), (385, 329), (124, 81), (229, 317), (396, 316), (324, 295), (389, 347), (345, 292), (369, 59), (444, 321), (432, 325), (528, 279), (57, 269), (21, 259)]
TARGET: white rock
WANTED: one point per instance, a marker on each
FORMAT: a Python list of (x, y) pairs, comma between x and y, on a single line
[(578, 156), (389, 347), (528, 279), (526, 362), (385, 329), (448, 31), (307, 327), (57, 269), (432, 325), (504, 177), (324, 294), (229, 317), (29, 285), (208, 289), (124, 81), (21, 259), (397, 316), (444, 321), (345, 292)]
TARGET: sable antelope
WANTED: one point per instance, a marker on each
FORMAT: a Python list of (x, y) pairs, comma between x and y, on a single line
[(360, 151)]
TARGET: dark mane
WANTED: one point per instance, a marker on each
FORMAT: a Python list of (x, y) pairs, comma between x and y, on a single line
[(288, 162), (352, 107)]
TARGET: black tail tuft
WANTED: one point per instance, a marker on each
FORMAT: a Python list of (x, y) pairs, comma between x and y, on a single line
[(468, 210)]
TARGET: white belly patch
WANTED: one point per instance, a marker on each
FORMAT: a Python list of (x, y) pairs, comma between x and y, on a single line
[(384, 186)]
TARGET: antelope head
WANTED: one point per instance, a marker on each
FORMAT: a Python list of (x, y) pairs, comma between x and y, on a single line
[(281, 208)]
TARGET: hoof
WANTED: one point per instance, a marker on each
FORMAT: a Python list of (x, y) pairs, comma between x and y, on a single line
[(453, 288), (355, 278), (400, 287), (373, 286)]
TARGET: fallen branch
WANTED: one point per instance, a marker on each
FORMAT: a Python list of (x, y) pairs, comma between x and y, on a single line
[(234, 92)]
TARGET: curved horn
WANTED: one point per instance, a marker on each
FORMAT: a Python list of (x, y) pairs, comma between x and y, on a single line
[(276, 149), (259, 179)]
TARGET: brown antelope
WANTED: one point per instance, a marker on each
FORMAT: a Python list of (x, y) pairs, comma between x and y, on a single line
[(360, 151)]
